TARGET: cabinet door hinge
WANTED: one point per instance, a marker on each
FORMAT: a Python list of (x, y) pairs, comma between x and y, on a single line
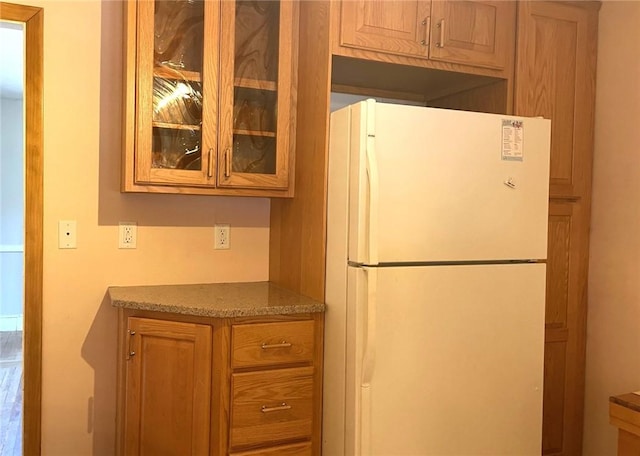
[(130, 351)]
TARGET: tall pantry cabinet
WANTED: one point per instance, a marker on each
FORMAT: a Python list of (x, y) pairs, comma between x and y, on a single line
[(555, 78)]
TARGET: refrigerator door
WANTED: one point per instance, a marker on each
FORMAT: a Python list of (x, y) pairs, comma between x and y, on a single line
[(445, 360), (441, 185)]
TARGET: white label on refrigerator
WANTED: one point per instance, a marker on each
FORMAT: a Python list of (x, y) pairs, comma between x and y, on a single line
[(512, 140)]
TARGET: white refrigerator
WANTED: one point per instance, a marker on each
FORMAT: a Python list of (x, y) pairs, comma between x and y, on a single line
[(435, 287)]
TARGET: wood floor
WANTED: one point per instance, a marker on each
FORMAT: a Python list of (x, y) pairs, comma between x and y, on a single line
[(11, 393)]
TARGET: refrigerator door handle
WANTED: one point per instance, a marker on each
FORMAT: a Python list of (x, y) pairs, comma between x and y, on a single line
[(369, 352), (372, 174), (368, 362)]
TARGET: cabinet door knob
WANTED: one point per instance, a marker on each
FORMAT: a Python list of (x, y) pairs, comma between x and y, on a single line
[(283, 406)]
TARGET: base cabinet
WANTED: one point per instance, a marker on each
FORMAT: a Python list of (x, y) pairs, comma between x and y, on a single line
[(168, 387), (209, 386)]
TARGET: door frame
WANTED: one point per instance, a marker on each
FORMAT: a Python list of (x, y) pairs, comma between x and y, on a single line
[(32, 18)]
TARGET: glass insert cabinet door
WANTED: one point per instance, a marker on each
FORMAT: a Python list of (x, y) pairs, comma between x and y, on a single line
[(177, 83), (256, 92), (214, 93)]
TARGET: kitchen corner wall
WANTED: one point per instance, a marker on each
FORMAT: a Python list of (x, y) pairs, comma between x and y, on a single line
[(82, 146), (613, 336)]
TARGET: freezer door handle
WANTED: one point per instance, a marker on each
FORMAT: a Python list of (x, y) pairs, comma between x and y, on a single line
[(372, 174)]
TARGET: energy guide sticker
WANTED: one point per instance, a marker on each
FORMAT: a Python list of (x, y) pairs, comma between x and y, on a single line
[(512, 140)]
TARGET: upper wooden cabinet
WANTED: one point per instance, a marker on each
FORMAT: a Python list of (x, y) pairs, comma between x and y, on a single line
[(473, 32), (555, 78), (210, 97)]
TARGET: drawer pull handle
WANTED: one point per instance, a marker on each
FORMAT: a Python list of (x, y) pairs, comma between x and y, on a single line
[(283, 406), (283, 344)]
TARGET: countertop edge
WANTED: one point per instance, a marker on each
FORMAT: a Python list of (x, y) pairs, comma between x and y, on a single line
[(221, 313), (214, 300), (629, 400)]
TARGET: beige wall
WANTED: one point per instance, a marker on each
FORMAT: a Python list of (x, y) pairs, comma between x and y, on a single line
[(613, 338), (82, 65)]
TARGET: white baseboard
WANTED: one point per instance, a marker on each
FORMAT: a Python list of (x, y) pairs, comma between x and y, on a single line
[(11, 322)]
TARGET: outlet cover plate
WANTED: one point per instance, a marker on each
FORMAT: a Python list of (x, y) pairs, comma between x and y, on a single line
[(127, 235), (222, 235)]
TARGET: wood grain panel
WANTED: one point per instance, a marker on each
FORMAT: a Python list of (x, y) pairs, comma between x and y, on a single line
[(628, 443), (318, 372), (625, 418), (555, 360), (478, 33), (220, 381), (33, 20), (257, 345), (168, 388), (558, 264), (296, 449), (398, 27), (271, 406), (555, 79), (298, 226), (565, 326)]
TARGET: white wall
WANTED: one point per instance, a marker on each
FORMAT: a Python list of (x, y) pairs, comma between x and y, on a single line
[(11, 211), (613, 336), (82, 147)]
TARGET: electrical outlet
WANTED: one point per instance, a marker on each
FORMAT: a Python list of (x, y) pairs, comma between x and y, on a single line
[(222, 236), (67, 234), (127, 235)]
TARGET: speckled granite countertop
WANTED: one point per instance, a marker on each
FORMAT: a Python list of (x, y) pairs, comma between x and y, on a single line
[(221, 300), (629, 400)]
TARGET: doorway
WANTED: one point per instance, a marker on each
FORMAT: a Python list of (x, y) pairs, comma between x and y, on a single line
[(30, 20), (11, 234)]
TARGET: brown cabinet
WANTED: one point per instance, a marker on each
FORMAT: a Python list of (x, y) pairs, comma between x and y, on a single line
[(168, 377), (211, 386), (210, 97), (272, 383), (475, 33), (555, 78)]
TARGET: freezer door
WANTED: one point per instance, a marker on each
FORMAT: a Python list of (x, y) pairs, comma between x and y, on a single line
[(445, 360), (442, 185)]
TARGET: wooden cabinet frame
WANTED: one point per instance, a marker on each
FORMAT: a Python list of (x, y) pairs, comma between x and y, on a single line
[(216, 176)]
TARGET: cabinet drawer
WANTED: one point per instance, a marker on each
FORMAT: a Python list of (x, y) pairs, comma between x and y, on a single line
[(296, 449), (265, 344), (271, 406)]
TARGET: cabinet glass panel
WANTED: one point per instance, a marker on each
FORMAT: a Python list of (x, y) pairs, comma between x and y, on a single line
[(255, 92), (177, 85)]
